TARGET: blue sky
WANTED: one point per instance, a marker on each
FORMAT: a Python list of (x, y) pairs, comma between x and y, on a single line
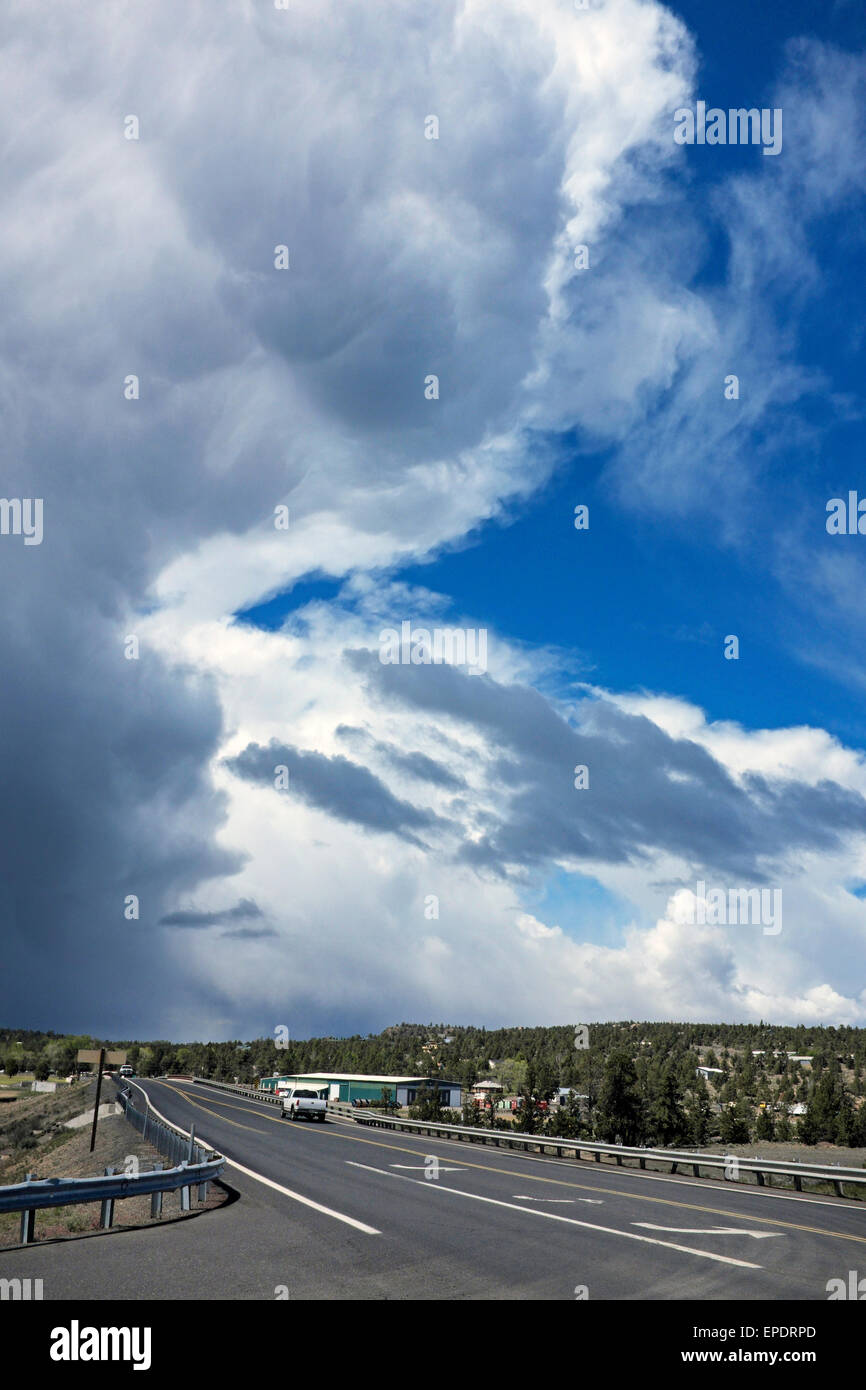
[(633, 603), (644, 602), (266, 788)]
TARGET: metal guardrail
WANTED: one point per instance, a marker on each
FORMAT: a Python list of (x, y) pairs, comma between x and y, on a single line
[(250, 1091), (193, 1166), (171, 1143), (32, 1195), (676, 1158), (37, 1193)]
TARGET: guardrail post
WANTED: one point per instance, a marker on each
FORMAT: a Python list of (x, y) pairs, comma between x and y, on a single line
[(106, 1215), (760, 1177), (202, 1191), (696, 1171), (28, 1218), (838, 1186), (184, 1195), (798, 1183), (674, 1167), (191, 1143), (156, 1197)]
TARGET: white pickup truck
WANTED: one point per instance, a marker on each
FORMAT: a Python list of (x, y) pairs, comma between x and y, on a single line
[(303, 1105)]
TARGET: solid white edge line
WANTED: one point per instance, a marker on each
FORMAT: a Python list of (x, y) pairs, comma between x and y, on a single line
[(552, 1216), (268, 1182), (306, 1201)]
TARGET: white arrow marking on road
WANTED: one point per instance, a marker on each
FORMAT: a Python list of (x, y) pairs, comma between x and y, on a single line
[(715, 1231), (422, 1167), (593, 1201)]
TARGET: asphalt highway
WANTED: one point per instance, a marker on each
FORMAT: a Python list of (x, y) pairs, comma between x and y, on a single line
[(340, 1211)]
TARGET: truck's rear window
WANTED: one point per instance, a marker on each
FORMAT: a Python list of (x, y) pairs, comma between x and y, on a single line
[(306, 1095)]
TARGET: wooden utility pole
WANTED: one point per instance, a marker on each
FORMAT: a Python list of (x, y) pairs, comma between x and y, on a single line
[(98, 1091)]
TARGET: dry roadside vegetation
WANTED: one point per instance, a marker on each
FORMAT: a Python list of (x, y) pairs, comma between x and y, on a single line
[(34, 1139)]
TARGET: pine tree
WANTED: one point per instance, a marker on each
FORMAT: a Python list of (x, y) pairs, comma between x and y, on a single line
[(765, 1130), (845, 1123), (619, 1106), (734, 1125), (699, 1114), (666, 1123), (827, 1103)]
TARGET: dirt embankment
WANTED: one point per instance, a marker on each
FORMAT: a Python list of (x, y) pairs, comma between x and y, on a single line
[(34, 1139)]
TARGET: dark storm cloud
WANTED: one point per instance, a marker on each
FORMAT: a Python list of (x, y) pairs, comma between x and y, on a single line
[(249, 933), (342, 788), (420, 766), (106, 796), (415, 764), (648, 792), (190, 918)]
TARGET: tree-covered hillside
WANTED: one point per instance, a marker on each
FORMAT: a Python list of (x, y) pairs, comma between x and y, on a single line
[(636, 1080)]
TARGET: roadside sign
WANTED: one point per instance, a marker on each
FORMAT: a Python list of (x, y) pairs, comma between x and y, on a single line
[(92, 1055)]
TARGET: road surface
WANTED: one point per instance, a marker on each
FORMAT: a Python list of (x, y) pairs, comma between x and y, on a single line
[(342, 1212)]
